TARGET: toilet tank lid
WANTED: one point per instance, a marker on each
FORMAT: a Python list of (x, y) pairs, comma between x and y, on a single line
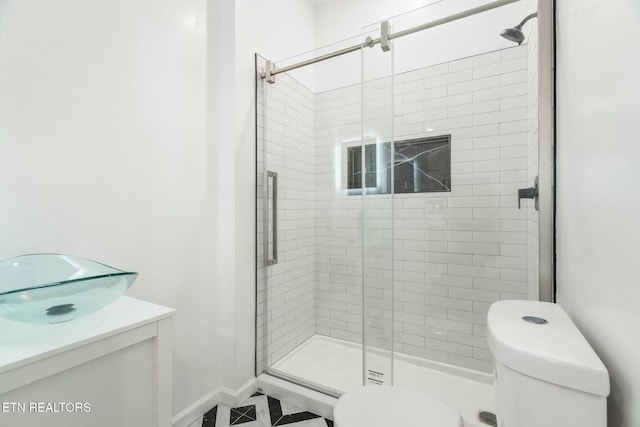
[(555, 351)]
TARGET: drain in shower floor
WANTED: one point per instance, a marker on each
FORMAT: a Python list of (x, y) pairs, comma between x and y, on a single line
[(488, 418)]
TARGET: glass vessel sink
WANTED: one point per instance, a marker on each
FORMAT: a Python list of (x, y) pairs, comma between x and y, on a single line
[(53, 288)]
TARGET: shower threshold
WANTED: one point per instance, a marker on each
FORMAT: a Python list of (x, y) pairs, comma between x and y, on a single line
[(336, 365)]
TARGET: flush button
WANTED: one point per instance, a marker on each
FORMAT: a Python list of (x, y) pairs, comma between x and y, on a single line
[(536, 320)]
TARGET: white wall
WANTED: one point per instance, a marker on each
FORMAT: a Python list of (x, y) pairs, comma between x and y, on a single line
[(109, 149), (598, 198), (104, 153), (221, 128), (342, 20)]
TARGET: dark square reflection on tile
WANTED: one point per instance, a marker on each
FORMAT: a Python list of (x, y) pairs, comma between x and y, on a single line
[(209, 419), (251, 413), (243, 419), (243, 411), (296, 418), (275, 410), (234, 416)]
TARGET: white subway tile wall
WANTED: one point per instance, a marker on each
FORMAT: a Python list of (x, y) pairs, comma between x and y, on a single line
[(454, 253), (286, 291), (339, 293), (449, 255)]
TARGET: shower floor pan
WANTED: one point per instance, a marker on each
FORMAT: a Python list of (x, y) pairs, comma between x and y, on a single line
[(336, 365)]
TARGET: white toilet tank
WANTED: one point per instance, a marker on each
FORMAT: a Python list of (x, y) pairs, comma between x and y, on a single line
[(546, 373)]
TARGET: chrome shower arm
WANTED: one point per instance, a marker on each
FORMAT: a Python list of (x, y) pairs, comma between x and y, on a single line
[(528, 17)]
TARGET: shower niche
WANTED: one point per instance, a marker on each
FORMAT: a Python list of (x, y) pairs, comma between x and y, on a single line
[(420, 165)]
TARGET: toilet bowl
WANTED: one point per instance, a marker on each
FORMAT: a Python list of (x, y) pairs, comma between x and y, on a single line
[(386, 406)]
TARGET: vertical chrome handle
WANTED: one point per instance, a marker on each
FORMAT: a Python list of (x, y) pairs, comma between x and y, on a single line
[(267, 259)]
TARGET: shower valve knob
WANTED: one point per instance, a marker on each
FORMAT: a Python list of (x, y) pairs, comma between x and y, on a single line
[(529, 193)]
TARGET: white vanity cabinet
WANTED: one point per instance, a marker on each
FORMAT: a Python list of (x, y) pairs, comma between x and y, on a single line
[(111, 368)]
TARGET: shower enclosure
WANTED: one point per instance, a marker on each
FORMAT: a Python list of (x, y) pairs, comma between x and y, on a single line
[(395, 200)]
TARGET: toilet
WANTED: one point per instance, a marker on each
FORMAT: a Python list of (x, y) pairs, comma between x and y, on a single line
[(546, 374)]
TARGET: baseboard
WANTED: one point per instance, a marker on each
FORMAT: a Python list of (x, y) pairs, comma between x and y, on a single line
[(227, 396), (299, 396), (233, 398)]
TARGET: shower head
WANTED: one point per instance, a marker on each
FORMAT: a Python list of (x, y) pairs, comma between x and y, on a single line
[(515, 34)]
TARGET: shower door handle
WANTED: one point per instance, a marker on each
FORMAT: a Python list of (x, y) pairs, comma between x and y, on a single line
[(270, 260)]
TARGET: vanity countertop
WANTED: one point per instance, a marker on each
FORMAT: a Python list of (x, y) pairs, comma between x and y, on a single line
[(25, 343)]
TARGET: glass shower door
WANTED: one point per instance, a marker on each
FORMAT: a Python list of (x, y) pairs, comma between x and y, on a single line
[(388, 213), (285, 260)]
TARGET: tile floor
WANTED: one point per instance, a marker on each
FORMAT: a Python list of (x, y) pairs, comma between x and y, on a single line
[(262, 411)]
